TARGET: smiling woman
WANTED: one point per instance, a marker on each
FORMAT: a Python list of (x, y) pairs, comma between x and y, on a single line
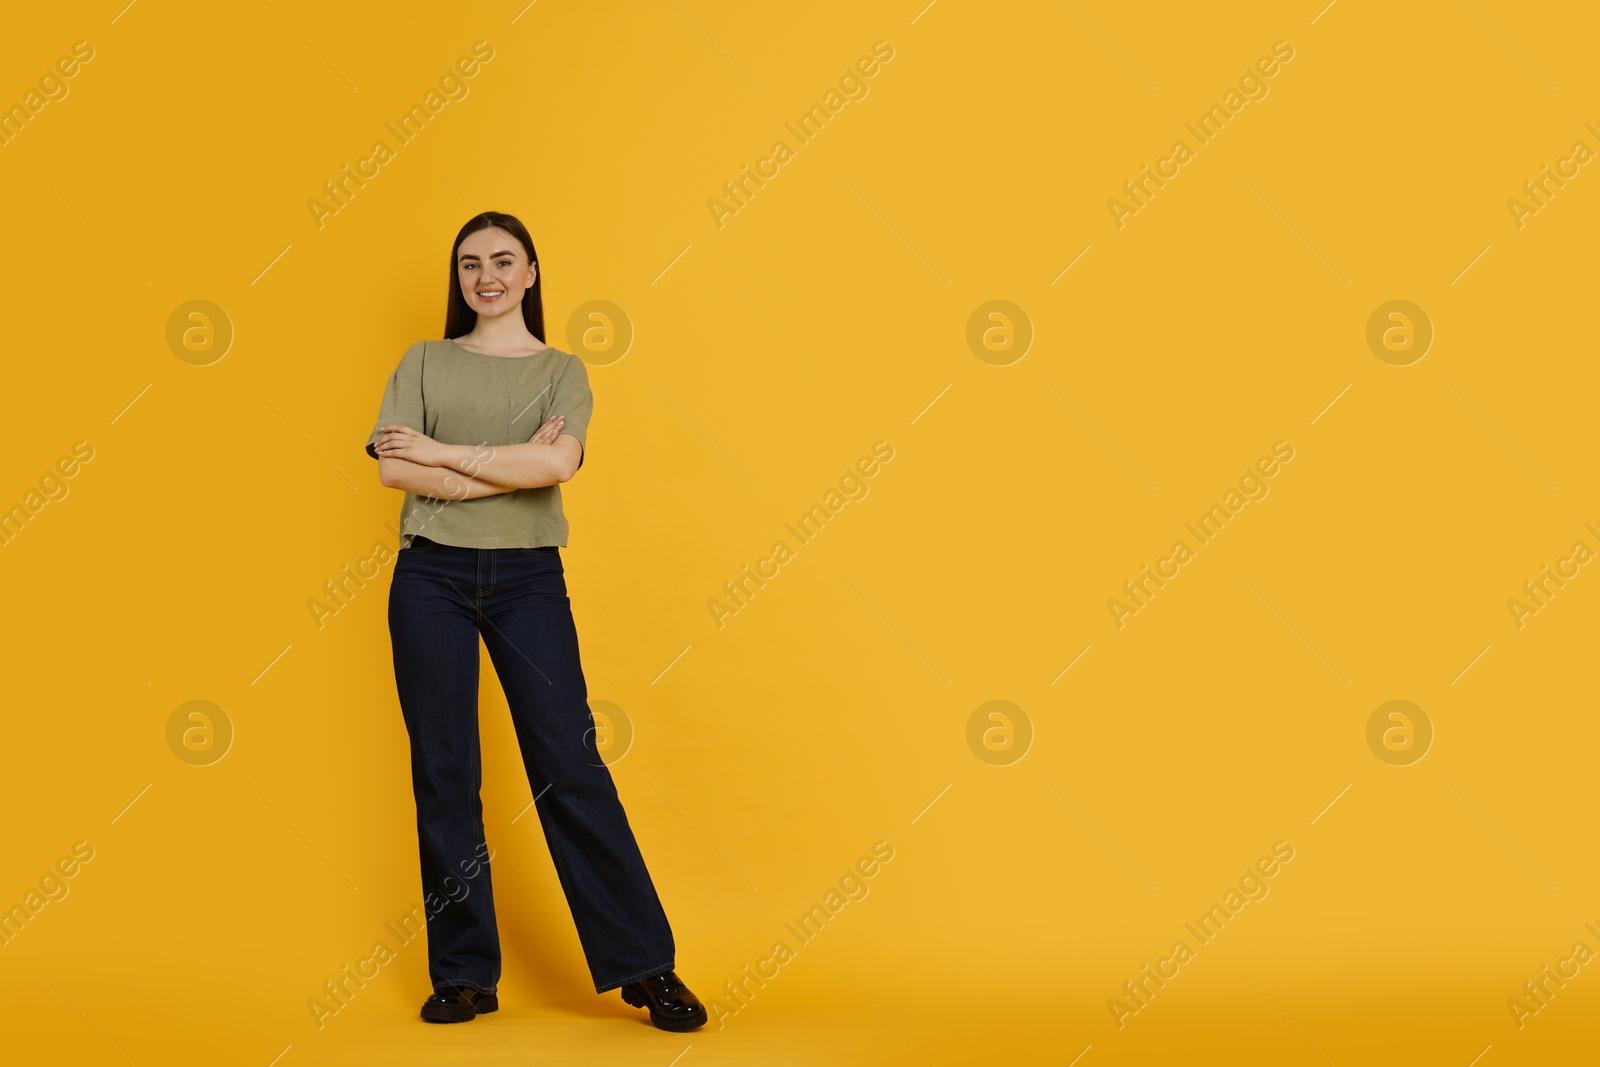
[(458, 420)]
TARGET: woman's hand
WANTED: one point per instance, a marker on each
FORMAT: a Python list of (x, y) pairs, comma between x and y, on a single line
[(549, 431), (402, 442)]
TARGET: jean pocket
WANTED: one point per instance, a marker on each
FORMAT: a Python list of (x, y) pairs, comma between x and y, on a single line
[(421, 544), (543, 550)]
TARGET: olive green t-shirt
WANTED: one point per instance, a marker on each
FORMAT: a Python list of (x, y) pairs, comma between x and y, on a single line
[(460, 397)]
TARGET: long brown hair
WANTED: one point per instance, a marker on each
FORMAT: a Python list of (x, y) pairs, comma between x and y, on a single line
[(459, 318)]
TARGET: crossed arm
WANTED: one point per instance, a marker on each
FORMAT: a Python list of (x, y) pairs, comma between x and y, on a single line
[(411, 460)]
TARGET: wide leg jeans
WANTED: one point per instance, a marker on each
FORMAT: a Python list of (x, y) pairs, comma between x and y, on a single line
[(442, 599)]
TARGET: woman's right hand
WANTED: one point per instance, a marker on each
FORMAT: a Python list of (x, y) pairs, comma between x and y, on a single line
[(548, 433)]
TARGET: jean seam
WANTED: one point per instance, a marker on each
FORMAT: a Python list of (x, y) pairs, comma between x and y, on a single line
[(651, 973), (484, 594), (444, 983)]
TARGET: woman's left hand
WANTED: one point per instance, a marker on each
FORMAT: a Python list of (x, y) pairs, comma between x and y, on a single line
[(402, 442)]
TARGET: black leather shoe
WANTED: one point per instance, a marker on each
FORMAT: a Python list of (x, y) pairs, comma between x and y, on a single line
[(458, 1005), (672, 1006)]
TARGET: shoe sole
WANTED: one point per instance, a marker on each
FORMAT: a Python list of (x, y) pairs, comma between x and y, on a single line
[(662, 1022), (441, 1013)]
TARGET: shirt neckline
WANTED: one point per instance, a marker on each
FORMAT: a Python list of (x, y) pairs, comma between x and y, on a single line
[(487, 355)]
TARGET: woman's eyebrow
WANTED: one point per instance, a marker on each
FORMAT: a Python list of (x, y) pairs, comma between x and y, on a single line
[(492, 255)]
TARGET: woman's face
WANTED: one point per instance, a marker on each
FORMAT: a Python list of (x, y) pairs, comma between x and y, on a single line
[(494, 272)]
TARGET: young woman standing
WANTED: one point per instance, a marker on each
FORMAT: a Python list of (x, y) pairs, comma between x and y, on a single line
[(479, 429)]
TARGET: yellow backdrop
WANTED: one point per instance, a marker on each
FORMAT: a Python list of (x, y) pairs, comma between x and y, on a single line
[(1193, 410)]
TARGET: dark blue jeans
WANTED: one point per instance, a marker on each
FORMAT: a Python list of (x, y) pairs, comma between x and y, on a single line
[(442, 598)]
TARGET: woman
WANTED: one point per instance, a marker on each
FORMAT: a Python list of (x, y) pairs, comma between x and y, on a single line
[(481, 532)]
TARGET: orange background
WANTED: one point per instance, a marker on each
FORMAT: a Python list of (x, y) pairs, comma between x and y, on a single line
[(1040, 460)]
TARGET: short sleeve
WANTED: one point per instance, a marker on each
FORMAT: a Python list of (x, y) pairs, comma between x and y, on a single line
[(574, 400), (402, 397)]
